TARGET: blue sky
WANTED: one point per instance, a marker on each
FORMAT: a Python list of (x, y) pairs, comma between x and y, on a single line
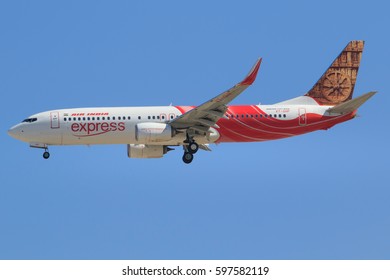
[(323, 195)]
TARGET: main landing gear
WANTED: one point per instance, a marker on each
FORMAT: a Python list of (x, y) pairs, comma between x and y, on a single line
[(188, 157), (189, 150)]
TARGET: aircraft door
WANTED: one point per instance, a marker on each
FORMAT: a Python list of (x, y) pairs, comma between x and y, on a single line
[(54, 120), (302, 116)]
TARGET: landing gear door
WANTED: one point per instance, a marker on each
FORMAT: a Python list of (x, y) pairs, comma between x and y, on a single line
[(54, 120), (302, 116)]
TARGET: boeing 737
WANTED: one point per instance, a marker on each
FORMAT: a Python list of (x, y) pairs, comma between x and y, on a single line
[(150, 132)]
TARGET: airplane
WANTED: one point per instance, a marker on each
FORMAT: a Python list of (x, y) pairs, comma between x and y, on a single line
[(151, 132)]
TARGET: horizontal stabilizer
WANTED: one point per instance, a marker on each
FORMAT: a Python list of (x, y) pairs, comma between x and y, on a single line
[(351, 105)]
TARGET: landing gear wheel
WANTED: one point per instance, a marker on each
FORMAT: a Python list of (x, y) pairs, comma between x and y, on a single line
[(188, 157), (193, 147), (46, 155)]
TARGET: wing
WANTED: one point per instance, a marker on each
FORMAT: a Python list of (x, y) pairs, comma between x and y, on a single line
[(201, 118)]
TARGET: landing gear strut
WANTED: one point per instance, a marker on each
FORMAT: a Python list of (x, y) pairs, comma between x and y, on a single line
[(46, 154), (190, 149)]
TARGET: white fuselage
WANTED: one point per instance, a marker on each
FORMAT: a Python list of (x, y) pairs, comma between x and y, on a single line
[(118, 125), (89, 126)]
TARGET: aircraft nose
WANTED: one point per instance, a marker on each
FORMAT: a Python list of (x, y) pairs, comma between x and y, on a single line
[(15, 132)]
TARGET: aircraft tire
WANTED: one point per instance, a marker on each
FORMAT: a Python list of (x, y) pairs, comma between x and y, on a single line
[(193, 147), (188, 157), (46, 155)]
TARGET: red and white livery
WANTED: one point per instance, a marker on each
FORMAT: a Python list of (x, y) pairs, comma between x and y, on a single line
[(150, 132)]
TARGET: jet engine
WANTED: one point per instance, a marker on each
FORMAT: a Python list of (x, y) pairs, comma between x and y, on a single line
[(153, 132), (146, 151)]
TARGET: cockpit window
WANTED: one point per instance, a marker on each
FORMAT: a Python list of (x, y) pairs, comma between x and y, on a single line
[(30, 120)]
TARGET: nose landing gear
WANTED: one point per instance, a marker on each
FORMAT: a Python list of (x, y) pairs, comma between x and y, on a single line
[(46, 154)]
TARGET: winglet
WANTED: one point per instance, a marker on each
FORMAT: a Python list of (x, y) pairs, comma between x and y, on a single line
[(251, 77)]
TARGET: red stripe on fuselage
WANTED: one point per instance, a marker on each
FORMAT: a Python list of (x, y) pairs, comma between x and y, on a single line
[(249, 128), (251, 125)]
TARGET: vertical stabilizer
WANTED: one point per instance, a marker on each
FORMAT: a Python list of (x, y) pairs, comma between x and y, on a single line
[(337, 83)]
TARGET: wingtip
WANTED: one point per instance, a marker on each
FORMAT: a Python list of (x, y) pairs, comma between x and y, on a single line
[(251, 77)]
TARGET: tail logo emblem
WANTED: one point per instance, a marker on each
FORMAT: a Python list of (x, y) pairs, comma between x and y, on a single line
[(337, 83), (337, 87)]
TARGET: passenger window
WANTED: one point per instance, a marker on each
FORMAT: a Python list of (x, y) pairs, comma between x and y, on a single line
[(89, 118), (93, 118), (119, 118), (128, 118), (83, 118), (139, 117), (108, 118), (113, 118), (98, 118), (103, 118)]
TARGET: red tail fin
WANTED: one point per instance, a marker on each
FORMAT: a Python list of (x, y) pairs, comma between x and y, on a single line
[(337, 83)]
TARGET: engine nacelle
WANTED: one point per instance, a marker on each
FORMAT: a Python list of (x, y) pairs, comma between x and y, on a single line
[(146, 151), (153, 132)]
